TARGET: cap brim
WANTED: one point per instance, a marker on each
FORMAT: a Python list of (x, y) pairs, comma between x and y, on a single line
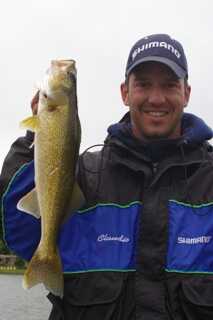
[(180, 72)]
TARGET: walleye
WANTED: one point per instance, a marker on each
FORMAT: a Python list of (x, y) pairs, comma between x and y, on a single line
[(56, 194)]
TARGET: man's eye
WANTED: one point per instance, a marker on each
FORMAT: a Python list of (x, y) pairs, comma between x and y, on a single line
[(171, 85), (142, 84)]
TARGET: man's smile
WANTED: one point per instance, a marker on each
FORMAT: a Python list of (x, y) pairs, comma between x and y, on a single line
[(157, 114)]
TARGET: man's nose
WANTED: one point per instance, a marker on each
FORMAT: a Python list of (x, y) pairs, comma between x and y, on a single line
[(156, 96)]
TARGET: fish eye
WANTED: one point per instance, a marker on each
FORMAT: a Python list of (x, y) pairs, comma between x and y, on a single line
[(71, 76)]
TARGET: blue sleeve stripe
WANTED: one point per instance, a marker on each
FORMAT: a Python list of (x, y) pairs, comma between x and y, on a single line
[(17, 173), (21, 230)]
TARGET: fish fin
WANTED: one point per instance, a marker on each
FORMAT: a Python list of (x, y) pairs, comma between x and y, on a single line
[(29, 203), (31, 123), (46, 269), (76, 202)]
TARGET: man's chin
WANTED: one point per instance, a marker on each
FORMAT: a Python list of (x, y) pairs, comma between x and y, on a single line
[(149, 136)]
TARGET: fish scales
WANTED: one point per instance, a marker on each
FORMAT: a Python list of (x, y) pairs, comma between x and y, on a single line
[(57, 140), (53, 140)]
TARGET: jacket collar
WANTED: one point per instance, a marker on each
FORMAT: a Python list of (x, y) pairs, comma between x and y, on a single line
[(194, 133)]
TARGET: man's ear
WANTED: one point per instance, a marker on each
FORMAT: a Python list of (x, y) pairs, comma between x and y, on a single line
[(124, 93), (187, 94)]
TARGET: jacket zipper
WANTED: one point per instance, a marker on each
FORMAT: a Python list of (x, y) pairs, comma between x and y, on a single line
[(155, 167)]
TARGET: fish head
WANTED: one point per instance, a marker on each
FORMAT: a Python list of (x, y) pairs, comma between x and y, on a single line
[(59, 81), (62, 74)]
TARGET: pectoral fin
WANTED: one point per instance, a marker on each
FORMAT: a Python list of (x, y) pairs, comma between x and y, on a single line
[(29, 204), (76, 202), (31, 123)]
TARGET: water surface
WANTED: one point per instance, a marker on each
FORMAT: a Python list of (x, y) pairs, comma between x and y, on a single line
[(19, 304)]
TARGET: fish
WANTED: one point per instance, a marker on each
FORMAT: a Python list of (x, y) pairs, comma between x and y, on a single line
[(56, 194)]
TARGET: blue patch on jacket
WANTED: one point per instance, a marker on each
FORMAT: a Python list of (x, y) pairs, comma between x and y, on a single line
[(190, 244), (100, 238), (103, 238)]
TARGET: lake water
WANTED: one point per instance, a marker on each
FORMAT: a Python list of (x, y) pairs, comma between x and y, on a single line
[(19, 304)]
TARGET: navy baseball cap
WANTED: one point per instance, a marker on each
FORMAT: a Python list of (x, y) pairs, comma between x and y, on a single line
[(161, 48)]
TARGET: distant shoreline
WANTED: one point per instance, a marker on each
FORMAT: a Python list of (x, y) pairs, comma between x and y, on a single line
[(7, 270)]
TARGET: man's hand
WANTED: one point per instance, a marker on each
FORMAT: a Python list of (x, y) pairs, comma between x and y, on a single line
[(34, 103)]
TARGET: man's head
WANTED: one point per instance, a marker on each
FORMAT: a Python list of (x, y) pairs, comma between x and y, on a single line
[(156, 88)]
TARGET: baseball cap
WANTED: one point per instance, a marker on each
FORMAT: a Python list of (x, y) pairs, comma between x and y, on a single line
[(160, 48)]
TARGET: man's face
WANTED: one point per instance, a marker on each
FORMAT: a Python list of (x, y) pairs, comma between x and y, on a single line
[(156, 99)]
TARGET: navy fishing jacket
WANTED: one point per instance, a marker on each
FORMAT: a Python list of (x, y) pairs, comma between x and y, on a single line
[(142, 246)]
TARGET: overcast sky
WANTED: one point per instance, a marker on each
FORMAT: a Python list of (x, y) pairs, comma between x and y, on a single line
[(98, 35)]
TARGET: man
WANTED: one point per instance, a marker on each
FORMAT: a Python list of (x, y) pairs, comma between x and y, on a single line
[(141, 248)]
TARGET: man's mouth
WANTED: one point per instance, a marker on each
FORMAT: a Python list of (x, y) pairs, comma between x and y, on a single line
[(157, 114)]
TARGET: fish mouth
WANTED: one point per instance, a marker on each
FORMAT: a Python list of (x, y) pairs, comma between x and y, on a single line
[(64, 62)]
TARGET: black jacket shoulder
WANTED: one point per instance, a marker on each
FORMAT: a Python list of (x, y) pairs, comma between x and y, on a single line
[(20, 152)]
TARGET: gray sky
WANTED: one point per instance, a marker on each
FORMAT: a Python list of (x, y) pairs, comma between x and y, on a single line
[(98, 35)]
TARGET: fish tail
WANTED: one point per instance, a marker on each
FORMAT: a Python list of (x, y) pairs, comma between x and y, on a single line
[(45, 269)]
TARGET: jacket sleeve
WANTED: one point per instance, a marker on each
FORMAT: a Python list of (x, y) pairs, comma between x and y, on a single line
[(21, 231), (20, 153)]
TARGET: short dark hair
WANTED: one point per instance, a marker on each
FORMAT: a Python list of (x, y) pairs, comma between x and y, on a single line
[(136, 70)]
